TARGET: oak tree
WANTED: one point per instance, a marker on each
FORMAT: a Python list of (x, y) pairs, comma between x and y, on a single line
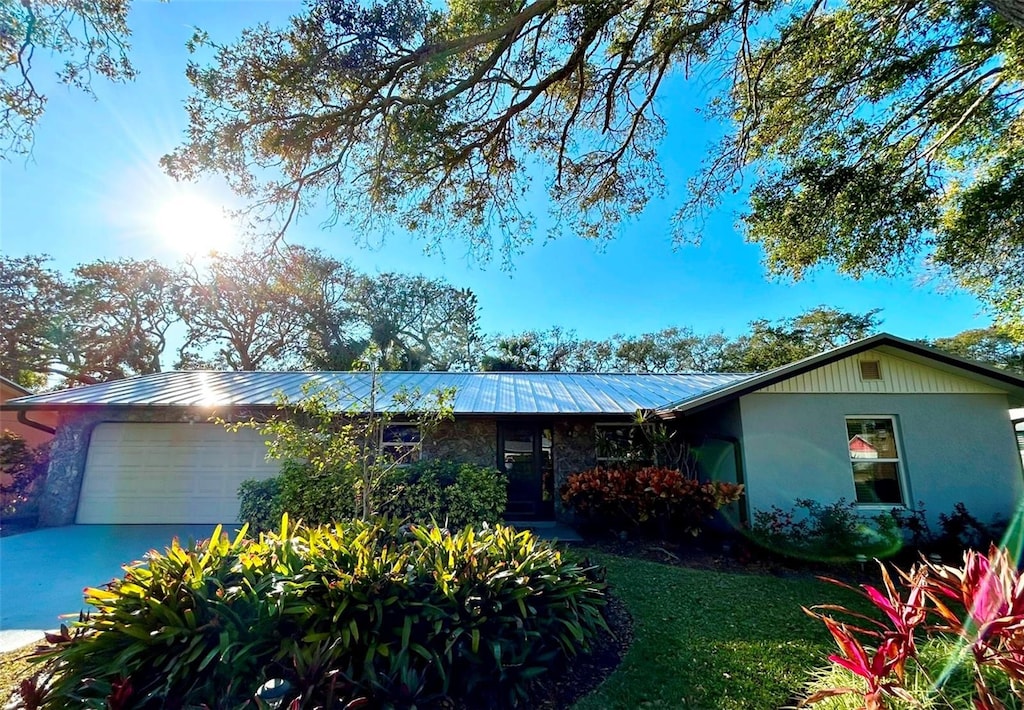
[(253, 310), (80, 39), (870, 135), (108, 320)]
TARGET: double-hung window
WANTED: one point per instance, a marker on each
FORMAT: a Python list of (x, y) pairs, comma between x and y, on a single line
[(875, 458), (400, 442)]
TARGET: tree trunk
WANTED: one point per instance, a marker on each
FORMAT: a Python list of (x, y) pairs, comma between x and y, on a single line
[(1011, 10)]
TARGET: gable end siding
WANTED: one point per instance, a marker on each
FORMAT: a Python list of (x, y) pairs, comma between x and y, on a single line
[(899, 376)]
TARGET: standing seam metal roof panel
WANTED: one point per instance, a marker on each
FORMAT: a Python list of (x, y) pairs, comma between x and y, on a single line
[(476, 393)]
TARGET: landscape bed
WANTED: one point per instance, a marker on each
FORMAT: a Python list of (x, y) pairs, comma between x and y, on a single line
[(702, 638)]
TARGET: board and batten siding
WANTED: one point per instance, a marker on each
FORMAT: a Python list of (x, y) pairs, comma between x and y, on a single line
[(899, 376)]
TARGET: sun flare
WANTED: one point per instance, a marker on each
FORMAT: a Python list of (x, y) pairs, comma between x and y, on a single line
[(193, 224)]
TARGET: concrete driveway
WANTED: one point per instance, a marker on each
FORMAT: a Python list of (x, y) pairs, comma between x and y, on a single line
[(43, 572)]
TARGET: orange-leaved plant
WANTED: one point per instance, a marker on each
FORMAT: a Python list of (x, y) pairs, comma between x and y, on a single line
[(989, 588), (652, 493)]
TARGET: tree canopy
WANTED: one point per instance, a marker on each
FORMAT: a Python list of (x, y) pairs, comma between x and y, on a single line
[(108, 320), (297, 308), (872, 135), (90, 38), (767, 344)]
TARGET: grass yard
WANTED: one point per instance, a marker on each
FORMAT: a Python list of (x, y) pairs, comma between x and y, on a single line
[(13, 669), (703, 639), (706, 639)]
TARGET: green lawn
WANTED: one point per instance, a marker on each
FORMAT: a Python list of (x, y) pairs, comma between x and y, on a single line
[(706, 639)]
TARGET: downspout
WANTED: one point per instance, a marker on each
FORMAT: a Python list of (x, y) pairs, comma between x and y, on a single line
[(737, 453), (23, 419)]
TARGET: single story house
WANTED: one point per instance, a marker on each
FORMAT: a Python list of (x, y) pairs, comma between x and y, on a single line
[(882, 421)]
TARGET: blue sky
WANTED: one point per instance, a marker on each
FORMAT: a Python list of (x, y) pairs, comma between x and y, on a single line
[(93, 189)]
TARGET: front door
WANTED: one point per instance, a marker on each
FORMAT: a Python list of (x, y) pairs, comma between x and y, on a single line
[(524, 455)]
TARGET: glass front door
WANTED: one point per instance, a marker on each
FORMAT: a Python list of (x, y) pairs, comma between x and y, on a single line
[(524, 455)]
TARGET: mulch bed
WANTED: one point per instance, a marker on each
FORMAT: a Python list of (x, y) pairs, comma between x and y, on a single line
[(563, 687)]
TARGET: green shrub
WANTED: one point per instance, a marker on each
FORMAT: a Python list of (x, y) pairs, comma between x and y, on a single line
[(394, 614), (319, 496), (260, 505), (456, 494), (833, 532)]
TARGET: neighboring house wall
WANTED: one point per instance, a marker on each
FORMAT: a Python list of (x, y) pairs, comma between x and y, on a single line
[(9, 420), (954, 447)]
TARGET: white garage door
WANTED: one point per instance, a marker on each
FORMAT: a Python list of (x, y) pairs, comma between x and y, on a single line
[(168, 473)]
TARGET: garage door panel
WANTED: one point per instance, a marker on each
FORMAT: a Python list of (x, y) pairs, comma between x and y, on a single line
[(142, 473)]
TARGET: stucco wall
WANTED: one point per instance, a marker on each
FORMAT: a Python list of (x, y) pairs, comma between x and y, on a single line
[(955, 447), (9, 418)]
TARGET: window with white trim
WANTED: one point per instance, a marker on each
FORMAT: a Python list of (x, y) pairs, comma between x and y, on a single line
[(875, 459), (401, 442), (622, 443)]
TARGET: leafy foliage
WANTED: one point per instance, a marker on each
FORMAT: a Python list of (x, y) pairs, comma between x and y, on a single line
[(835, 532), (768, 344), (260, 506), (294, 307), (22, 474), (255, 307), (453, 494), (368, 610), (420, 323), (662, 497), (91, 39), (875, 132), (997, 346), (108, 321), (979, 606), (333, 459)]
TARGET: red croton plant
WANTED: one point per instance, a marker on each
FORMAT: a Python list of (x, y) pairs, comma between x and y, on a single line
[(651, 493), (990, 590)]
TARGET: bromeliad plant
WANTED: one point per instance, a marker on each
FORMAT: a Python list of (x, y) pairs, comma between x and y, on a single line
[(364, 612), (976, 609)]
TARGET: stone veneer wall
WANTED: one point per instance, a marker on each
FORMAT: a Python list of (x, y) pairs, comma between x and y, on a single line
[(476, 441), (470, 440), (473, 440), (575, 450)]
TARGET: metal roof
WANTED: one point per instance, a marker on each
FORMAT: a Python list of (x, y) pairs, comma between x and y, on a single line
[(476, 392)]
